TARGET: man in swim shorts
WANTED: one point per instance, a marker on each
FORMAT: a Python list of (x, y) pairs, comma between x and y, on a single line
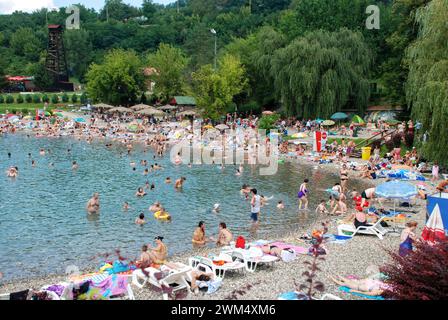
[(255, 206), (93, 205)]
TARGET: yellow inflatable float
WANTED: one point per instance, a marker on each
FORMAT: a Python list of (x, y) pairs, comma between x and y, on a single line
[(162, 215)]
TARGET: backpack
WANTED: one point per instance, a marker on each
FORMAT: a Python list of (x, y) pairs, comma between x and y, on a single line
[(240, 242)]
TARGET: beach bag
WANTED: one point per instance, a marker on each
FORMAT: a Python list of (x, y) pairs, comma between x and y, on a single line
[(288, 255), (240, 242)]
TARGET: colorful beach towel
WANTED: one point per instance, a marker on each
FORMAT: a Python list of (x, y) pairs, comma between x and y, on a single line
[(297, 249), (349, 291), (113, 285)]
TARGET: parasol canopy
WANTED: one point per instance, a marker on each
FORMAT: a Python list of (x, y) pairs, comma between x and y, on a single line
[(434, 229), (151, 112), (267, 112), (339, 116), (328, 123), (140, 106), (103, 106), (187, 113), (222, 127), (168, 107), (357, 119), (396, 190), (119, 110)]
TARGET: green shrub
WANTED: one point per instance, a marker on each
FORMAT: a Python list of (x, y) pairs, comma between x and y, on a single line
[(28, 98), (19, 99), (267, 122), (24, 110), (84, 98), (9, 99), (65, 98), (54, 99), (74, 98), (45, 98), (36, 98), (2, 100)]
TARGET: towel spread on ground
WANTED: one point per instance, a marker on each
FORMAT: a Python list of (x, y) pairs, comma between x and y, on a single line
[(348, 290), (112, 285), (297, 249)]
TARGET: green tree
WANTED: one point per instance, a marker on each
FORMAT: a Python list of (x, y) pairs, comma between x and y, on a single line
[(427, 86), (24, 42), (74, 98), (19, 99), (2, 100), (83, 98), (54, 99), (320, 73), (45, 98), (119, 80), (9, 99), (36, 98), (170, 64), (65, 97), (78, 45), (215, 90), (28, 98)]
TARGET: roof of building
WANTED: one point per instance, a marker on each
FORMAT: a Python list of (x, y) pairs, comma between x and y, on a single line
[(185, 100)]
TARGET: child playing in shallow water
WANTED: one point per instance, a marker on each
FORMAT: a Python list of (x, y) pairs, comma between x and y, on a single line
[(322, 207)]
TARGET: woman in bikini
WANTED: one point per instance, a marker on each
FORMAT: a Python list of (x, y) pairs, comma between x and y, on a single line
[(344, 177), (159, 253)]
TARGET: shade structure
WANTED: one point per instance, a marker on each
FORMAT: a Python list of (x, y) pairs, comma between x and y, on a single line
[(140, 106), (328, 123), (168, 107), (119, 110), (187, 113), (357, 119), (434, 230), (151, 112), (339, 116), (267, 112), (396, 190), (222, 127), (103, 106)]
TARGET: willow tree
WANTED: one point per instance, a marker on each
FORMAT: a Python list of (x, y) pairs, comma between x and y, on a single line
[(320, 73), (427, 86)]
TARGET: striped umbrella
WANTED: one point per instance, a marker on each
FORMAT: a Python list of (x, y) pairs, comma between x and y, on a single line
[(434, 229)]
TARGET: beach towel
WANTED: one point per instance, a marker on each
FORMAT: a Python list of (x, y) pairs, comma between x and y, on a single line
[(297, 249), (334, 238), (113, 285), (349, 291)]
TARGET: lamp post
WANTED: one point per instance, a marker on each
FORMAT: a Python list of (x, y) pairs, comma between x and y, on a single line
[(216, 45)]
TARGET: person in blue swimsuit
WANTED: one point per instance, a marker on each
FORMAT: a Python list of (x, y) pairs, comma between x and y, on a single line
[(407, 237)]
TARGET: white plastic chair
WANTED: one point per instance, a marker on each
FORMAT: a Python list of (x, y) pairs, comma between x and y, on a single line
[(175, 279), (252, 261), (376, 229), (219, 271)]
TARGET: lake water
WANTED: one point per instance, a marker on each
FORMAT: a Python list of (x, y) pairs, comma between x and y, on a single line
[(44, 226)]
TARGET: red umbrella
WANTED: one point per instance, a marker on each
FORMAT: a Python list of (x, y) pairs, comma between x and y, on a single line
[(434, 230)]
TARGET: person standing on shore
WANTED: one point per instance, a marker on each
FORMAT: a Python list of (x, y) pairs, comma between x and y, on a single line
[(255, 206), (344, 178), (407, 238)]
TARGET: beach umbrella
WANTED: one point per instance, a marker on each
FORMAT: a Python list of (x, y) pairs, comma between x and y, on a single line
[(434, 229), (222, 127), (168, 107), (396, 190), (267, 112), (79, 120), (328, 123), (139, 107), (187, 113), (119, 110), (357, 119), (103, 106), (151, 112), (339, 116), (318, 120), (27, 117)]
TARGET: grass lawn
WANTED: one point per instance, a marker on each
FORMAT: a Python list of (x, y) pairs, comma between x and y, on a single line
[(31, 107)]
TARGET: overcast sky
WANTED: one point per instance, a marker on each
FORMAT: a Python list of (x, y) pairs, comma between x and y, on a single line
[(9, 6)]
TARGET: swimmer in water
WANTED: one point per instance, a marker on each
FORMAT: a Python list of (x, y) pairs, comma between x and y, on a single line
[(33, 163), (9, 155), (42, 152), (75, 165), (264, 200), (93, 205), (146, 185), (132, 164), (156, 207), (179, 183), (141, 219), (152, 186), (13, 172), (140, 192), (125, 206), (168, 180), (146, 172), (216, 208), (280, 205), (245, 190), (237, 173)]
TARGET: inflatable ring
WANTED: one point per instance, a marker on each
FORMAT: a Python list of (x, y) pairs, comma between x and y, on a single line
[(159, 215)]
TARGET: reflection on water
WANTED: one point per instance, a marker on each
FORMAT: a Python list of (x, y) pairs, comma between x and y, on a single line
[(44, 226)]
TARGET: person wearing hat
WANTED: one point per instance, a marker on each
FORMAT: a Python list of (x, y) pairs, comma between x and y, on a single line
[(158, 254)]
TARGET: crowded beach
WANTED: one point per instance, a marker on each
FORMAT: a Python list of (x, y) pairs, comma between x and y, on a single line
[(355, 230)]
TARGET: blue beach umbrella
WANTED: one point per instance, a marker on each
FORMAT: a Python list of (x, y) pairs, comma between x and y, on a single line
[(80, 120), (396, 190), (339, 116)]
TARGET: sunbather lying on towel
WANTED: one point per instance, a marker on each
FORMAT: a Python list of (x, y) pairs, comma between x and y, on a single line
[(199, 276), (370, 286)]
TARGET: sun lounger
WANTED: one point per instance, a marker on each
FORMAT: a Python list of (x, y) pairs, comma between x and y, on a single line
[(175, 279), (252, 259), (376, 229), (219, 270)]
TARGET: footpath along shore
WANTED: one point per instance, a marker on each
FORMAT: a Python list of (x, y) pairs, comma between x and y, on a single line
[(352, 258)]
